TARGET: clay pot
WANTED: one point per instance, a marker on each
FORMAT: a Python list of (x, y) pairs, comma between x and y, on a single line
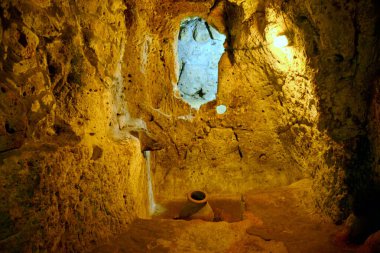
[(197, 207)]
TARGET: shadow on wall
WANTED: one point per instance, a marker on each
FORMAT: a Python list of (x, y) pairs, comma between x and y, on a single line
[(365, 200), (346, 70)]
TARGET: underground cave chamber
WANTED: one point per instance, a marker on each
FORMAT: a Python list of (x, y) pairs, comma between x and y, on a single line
[(189, 126)]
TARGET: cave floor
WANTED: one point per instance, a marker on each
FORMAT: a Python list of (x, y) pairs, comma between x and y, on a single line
[(275, 220)]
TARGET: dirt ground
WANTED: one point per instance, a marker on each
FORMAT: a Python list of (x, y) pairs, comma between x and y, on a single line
[(276, 220)]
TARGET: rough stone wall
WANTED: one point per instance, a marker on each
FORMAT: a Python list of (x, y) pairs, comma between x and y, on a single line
[(71, 175), (343, 41), (291, 113), (242, 145), (374, 120)]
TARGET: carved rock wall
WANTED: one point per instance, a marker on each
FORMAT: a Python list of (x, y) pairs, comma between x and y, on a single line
[(71, 175)]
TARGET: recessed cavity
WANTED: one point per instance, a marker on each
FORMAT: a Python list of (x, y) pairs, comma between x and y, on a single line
[(200, 47), (198, 195)]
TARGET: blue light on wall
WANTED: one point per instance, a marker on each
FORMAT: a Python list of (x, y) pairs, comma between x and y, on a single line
[(200, 47)]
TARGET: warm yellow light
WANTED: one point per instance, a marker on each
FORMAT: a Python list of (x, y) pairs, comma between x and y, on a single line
[(280, 41)]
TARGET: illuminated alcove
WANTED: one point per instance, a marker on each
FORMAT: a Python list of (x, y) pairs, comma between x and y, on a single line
[(200, 47)]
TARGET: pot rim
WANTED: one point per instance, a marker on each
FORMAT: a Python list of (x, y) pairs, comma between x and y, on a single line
[(190, 198)]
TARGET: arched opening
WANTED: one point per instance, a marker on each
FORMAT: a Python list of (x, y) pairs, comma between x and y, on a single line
[(200, 47)]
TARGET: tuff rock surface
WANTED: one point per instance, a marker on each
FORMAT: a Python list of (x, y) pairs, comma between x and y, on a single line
[(70, 174), (85, 86)]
